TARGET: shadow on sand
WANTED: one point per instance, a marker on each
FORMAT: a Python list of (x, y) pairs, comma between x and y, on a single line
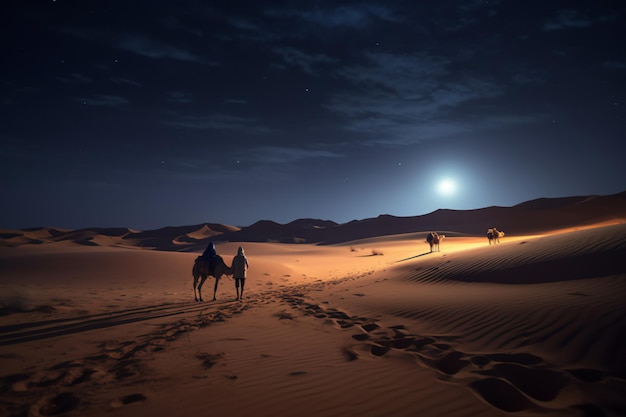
[(413, 257)]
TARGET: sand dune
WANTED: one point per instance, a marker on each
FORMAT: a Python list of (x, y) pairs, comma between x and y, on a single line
[(536, 217), (373, 327)]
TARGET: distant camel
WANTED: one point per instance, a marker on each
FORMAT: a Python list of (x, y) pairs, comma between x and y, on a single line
[(433, 240), (201, 268), (494, 235)]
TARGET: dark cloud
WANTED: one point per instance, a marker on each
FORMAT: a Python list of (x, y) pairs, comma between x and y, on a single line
[(406, 99), (103, 100), (126, 81), (218, 121), (567, 19), (304, 61), (75, 78), (352, 16)]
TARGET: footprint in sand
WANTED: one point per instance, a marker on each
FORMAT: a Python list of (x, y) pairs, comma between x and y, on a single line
[(447, 363), (350, 354), (540, 384), (297, 373), (378, 350), (128, 399), (501, 394), (59, 404), (370, 327), (343, 324), (209, 360)]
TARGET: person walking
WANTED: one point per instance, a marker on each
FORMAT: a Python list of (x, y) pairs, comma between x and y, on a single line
[(240, 267)]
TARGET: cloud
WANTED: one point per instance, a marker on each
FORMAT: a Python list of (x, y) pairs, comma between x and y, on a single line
[(267, 164), (473, 5), (75, 78), (245, 158), (86, 184), (180, 97), (306, 62), (357, 17), (567, 19), (404, 75), (529, 77), (279, 154), (219, 121), (137, 43), (244, 24), (126, 81), (291, 22), (614, 65), (249, 31), (237, 101), (390, 133), (102, 100), (155, 49), (402, 99)]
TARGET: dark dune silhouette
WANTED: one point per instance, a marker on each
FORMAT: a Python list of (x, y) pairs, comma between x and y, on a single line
[(533, 216)]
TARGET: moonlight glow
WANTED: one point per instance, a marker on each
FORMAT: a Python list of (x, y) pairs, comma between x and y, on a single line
[(446, 187)]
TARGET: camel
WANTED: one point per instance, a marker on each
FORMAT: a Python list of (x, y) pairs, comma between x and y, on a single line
[(494, 235), (433, 240), (201, 269)]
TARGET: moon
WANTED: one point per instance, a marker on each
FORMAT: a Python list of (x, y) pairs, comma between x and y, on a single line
[(446, 187)]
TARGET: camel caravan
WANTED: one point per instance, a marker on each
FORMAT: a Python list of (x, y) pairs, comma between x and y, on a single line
[(494, 235), (203, 268), (433, 239), (212, 264)]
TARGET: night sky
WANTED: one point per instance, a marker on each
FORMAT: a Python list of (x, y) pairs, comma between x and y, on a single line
[(146, 114)]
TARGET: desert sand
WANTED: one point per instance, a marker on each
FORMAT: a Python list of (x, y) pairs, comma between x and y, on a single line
[(531, 326)]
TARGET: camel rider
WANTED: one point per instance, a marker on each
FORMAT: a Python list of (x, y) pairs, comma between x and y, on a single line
[(210, 254)]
